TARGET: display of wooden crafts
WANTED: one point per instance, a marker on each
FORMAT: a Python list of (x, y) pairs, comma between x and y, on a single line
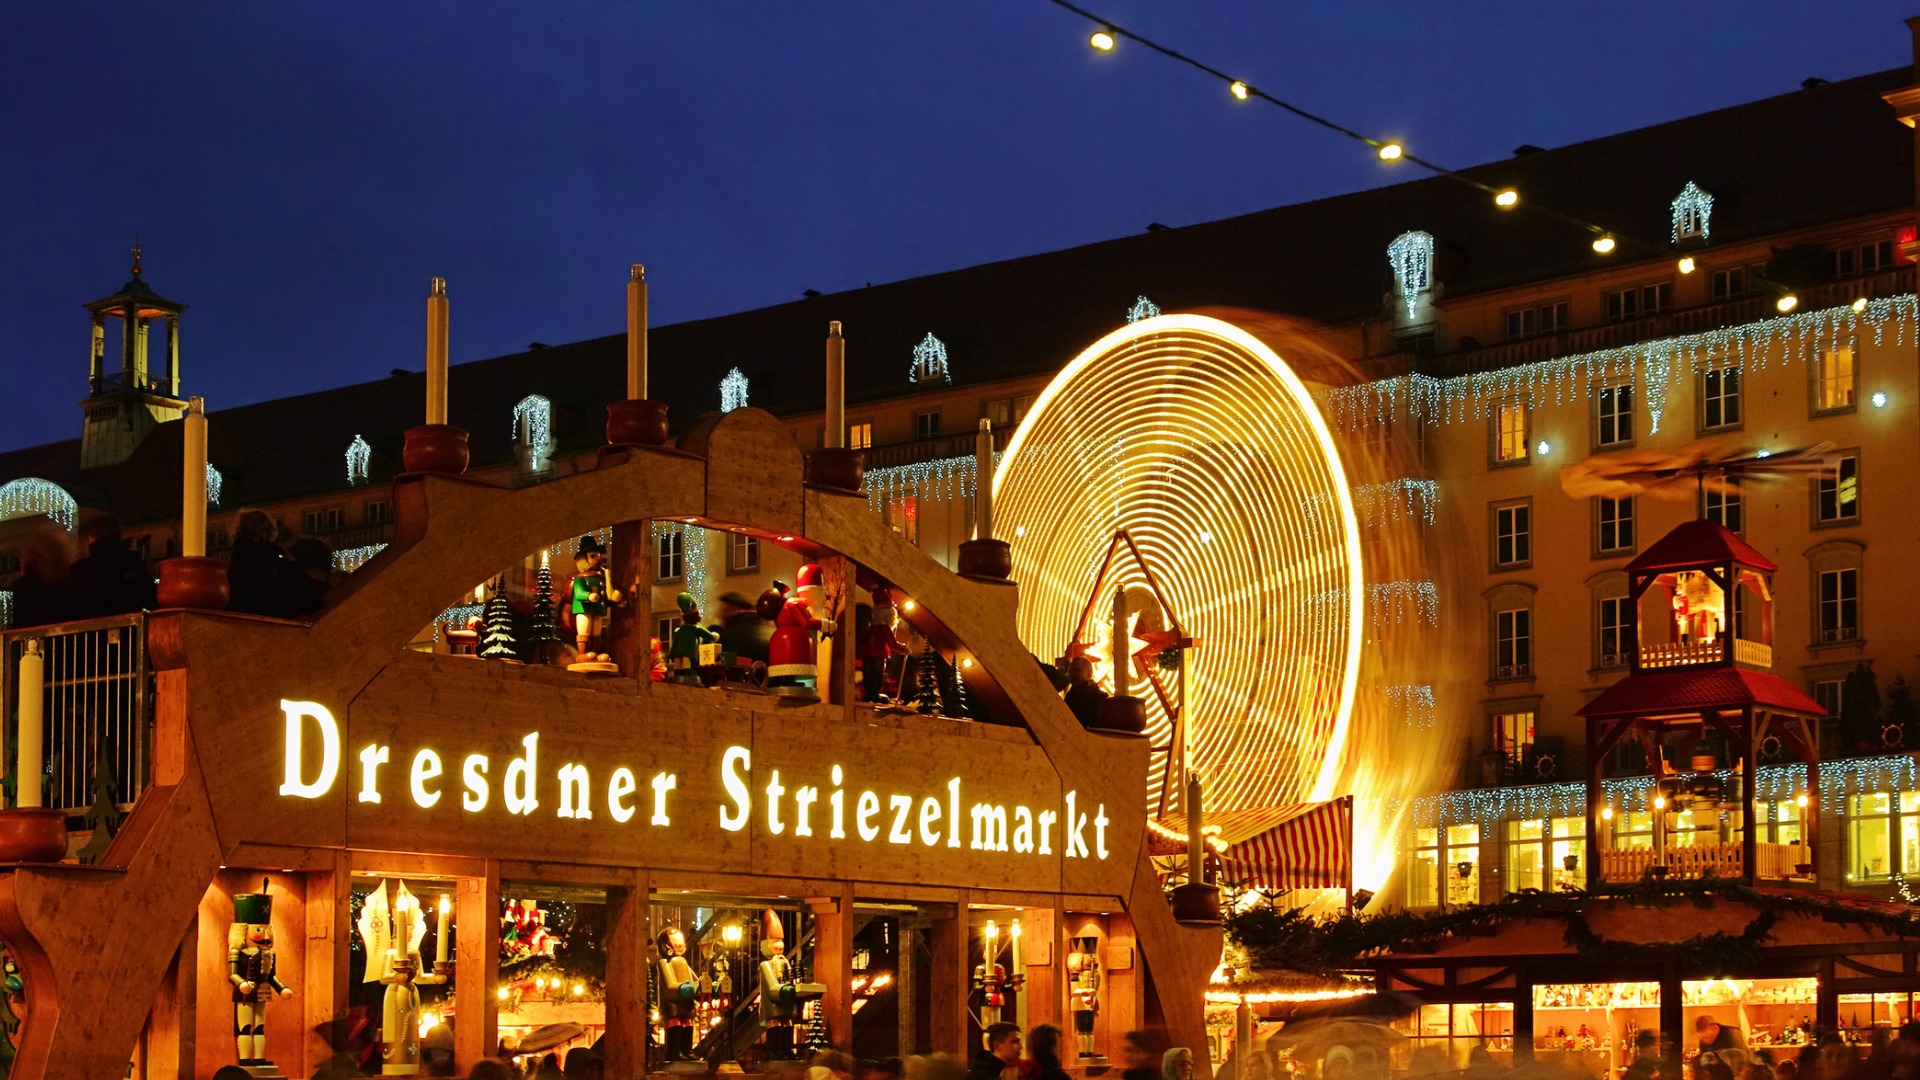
[(593, 596), (251, 967)]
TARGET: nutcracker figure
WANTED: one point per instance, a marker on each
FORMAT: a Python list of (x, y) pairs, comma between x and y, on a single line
[(880, 646), (690, 639), (593, 594), (1083, 971), (779, 998), (250, 968), (790, 655), (679, 993)]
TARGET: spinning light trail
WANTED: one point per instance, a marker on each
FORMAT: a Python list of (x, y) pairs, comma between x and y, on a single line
[(1200, 441)]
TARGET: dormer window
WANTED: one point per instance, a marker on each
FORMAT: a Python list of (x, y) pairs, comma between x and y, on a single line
[(1411, 256), (733, 391), (359, 453), (1692, 213), (532, 433), (930, 361)]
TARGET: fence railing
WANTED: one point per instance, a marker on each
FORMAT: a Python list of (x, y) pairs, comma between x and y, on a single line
[(98, 703), (1773, 862)]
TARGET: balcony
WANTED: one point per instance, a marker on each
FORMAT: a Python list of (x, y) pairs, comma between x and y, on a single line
[(1776, 862), (935, 449), (1693, 320), (1753, 654), (98, 701)]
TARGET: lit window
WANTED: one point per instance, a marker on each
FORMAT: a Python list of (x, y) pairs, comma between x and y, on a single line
[(743, 553), (1720, 399), (1837, 494), (1513, 534), (1546, 854), (1833, 376), (1839, 605), (1425, 858), (1513, 643), (669, 551), (1510, 433), (1883, 835), (1613, 525), (903, 515), (1613, 417), (1616, 631), (1462, 867), (860, 436)]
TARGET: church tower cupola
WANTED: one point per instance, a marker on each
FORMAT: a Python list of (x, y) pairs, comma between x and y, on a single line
[(129, 395)]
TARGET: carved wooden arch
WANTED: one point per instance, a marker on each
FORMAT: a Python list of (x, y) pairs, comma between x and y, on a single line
[(90, 979)]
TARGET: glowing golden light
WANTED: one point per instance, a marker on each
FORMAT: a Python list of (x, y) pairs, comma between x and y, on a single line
[(1268, 997), (1239, 90), (1604, 243), (1606, 813), (1787, 303), (1686, 264), (1507, 199), (1391, 151), (1659, 802), (501, 993), (1172, 421), (1800, 800), (908, 606), (1860, 305), (1102, 39)]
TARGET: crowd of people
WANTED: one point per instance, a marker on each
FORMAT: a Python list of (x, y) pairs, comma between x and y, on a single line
[(58, 584)]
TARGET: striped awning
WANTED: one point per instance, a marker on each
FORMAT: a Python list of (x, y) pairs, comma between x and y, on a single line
[(1303, 846)]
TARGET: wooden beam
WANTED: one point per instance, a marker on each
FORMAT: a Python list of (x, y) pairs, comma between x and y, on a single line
[(630, 952), (477, 934), (833, 930), (948, 982), (329, 933)]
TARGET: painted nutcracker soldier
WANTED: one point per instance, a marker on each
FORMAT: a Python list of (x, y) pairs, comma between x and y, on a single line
[(1083, 972), (684, 660), (593, 594), (250, 968), (790, 655), (879, 646), (781, 992), (679, 994)]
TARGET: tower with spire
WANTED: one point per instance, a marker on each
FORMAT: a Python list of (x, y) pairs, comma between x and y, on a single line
[(126, 400)]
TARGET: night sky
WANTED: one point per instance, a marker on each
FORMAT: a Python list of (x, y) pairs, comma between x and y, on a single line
[(299, 172)]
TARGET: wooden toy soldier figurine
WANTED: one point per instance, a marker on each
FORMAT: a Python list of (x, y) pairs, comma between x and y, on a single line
[(684, 658), (593, 593), (250, 968), (679, 994)]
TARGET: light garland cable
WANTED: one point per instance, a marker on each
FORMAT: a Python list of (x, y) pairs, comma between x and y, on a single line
[(942, 478), (1649, 366), (1411, 257), (693, 554), (733, 391), (214, 483), (32, 495), (1692, 204), (534, 415), (1223, 447), (359, 453), (347, 560), (930, 361), (1414, 703), (1142, 308), (1379, 504), (1243, 90), (6, 607)]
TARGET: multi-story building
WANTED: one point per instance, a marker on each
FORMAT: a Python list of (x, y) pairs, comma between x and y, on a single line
[(1476, 359)]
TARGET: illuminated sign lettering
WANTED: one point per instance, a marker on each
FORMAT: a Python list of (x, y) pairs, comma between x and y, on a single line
[(931, 820)]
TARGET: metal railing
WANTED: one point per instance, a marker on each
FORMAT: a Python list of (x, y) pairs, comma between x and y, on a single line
[(98, 702)]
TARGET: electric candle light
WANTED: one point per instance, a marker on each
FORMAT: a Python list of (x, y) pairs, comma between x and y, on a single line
[(193, 480), (437, 352), (983, 484), (836, 434), (440, 933), (1196, 840), (637, 333), (32, 713)]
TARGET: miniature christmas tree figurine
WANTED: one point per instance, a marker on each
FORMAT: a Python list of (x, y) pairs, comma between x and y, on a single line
[(542, 638), (496, 638), (926, 679), (104, 815)]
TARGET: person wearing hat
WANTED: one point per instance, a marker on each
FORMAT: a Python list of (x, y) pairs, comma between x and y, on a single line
[(683, 660), (592, 594), (250, 968)]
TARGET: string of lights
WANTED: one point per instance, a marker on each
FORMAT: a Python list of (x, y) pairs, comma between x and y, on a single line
[(1107, 34)]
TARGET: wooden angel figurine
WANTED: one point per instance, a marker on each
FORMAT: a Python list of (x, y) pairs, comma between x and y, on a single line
[(392, 935)]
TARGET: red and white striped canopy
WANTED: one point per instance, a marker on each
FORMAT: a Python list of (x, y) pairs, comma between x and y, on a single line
[(1303, 846)]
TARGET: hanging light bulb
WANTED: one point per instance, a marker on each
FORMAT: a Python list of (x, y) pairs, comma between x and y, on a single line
[(1787, 303), (1606, 813), (1860, 305), (1507, 199), (1686, 264), (1604, 243), (1239, 90), (1391, 151), (1102, 39)]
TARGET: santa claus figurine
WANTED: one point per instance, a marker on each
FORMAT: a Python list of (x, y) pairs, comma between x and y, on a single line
[(790, 655), (880, 645)]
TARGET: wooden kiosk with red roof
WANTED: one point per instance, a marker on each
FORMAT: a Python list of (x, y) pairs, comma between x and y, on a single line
[(1701, 665)]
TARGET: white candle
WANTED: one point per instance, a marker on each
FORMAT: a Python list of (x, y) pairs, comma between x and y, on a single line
[(1196, 841), (193, 480), (836, 434), (983, 481), (440, 934), (637, 333), (437, 353), (32, 718)]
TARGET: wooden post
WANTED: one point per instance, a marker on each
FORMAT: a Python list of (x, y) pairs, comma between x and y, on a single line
[(1595, 758), (637, 333), (835, 435), (629, 958), (476, 929), (948, 984), (1749, 831), (170, 1032), (437, 352), (329, 904), (833, 963), (629, 629), (1040, 997)]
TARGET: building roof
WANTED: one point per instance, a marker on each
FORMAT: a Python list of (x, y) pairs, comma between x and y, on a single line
[(1696, 689), (1696, 543), (1830, 153)]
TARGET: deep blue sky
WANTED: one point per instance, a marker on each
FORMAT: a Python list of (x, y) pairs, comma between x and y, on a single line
[(300, 171)]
